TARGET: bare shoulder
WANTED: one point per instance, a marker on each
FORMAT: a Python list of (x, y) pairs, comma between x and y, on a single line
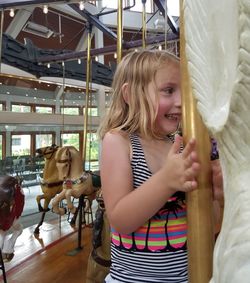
[(115, 139)]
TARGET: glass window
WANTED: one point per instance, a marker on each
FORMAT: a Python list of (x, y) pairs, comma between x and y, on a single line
[(92, 152), (137, 7), (44, 109), (43, 140), (1, 146), (20, 108), (70, 110), (93, 111), (71, 139), (2, 106), (20, 145)]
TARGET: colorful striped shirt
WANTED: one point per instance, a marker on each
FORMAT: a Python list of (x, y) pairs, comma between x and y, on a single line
[(157, 251)]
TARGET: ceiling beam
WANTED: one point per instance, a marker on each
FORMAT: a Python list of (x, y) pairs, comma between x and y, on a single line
[(19, 21), (93, 20), (105, 50), (172, 24)]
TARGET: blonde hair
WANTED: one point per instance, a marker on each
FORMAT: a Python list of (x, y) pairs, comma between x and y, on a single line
[(137, 69)]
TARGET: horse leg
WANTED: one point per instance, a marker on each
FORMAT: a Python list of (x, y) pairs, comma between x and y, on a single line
[(70, 205), (47, 200), (2, 238), (8, 247), (38, 200), (37, 229), (56, 201)]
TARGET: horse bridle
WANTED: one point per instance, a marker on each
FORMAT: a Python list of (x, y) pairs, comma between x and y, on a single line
[(67, 161), (50, 150)]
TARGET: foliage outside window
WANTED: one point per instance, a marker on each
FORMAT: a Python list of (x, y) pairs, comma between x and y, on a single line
[(92, 152), (70, 139), (70, 110), (93, 111), (1, 147), (20, 108), (20, 145), (43, 140), (44, 109)]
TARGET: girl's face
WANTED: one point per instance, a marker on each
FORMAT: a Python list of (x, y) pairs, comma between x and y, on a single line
[(167, 87)]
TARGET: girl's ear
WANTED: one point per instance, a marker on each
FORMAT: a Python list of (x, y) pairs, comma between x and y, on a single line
[(125, 92)]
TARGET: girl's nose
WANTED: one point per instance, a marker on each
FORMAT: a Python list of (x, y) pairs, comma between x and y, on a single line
[(178, 99)]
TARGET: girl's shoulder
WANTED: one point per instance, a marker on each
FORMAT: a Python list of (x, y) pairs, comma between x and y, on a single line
[(116, 138)]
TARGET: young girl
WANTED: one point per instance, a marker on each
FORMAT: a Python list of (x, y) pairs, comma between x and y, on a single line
[(144, 174)]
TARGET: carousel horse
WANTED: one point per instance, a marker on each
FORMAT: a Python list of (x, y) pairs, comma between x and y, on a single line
[(50, 184), (218, 52), (99, 260), (11, 208), (76, 182)]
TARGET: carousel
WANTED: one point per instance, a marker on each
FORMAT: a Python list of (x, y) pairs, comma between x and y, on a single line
[(212, 41)]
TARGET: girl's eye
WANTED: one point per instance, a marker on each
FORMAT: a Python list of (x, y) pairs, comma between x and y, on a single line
[(168, 90)]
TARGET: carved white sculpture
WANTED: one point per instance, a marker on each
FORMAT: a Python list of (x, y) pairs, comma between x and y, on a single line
[(218, 51)]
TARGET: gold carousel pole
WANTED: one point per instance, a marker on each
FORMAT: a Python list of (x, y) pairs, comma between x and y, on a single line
[(144, 26), (87, 95), (119, 31), (81, 199), (1, 38), (199, 202)]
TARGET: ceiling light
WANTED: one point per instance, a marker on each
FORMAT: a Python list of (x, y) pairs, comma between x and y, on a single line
[(12, 13), (45, 9), (81, 5)]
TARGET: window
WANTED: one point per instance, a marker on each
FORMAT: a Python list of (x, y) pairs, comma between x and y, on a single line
[(2, 106), (20, 108), (1, 146), (92, 152), (70, 110), (43, 140), (71, 139), (137, 7), (93, 111), (20, 144), (44, 109)]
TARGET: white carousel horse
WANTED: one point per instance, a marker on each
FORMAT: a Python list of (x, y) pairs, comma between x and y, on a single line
[(11, 208), (50, 184), (76, 181), (218, 53)]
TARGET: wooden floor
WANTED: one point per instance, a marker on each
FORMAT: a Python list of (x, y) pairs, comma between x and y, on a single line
[(53, 257)]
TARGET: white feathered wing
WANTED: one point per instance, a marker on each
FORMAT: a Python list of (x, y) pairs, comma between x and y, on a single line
[(218, 51)]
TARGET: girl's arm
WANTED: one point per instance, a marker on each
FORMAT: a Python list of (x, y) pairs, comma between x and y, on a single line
[(128, 209)]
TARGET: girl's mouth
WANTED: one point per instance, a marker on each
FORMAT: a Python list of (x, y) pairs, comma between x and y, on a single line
[(174, 117)]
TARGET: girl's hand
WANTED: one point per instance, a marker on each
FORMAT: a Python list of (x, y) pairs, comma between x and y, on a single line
[(185, 166)]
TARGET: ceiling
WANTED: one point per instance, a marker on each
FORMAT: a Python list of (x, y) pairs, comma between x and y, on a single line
[(60, 36)]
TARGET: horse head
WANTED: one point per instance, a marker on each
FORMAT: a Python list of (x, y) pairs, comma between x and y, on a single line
[(47, 151), (68, 162)]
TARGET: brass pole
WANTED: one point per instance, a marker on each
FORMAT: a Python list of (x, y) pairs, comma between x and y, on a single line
[(199, 202), (87, 95), (1, 38), (119, 31), (144, 26)]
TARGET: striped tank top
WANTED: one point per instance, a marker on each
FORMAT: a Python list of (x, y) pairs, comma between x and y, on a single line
[(157, 251)]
